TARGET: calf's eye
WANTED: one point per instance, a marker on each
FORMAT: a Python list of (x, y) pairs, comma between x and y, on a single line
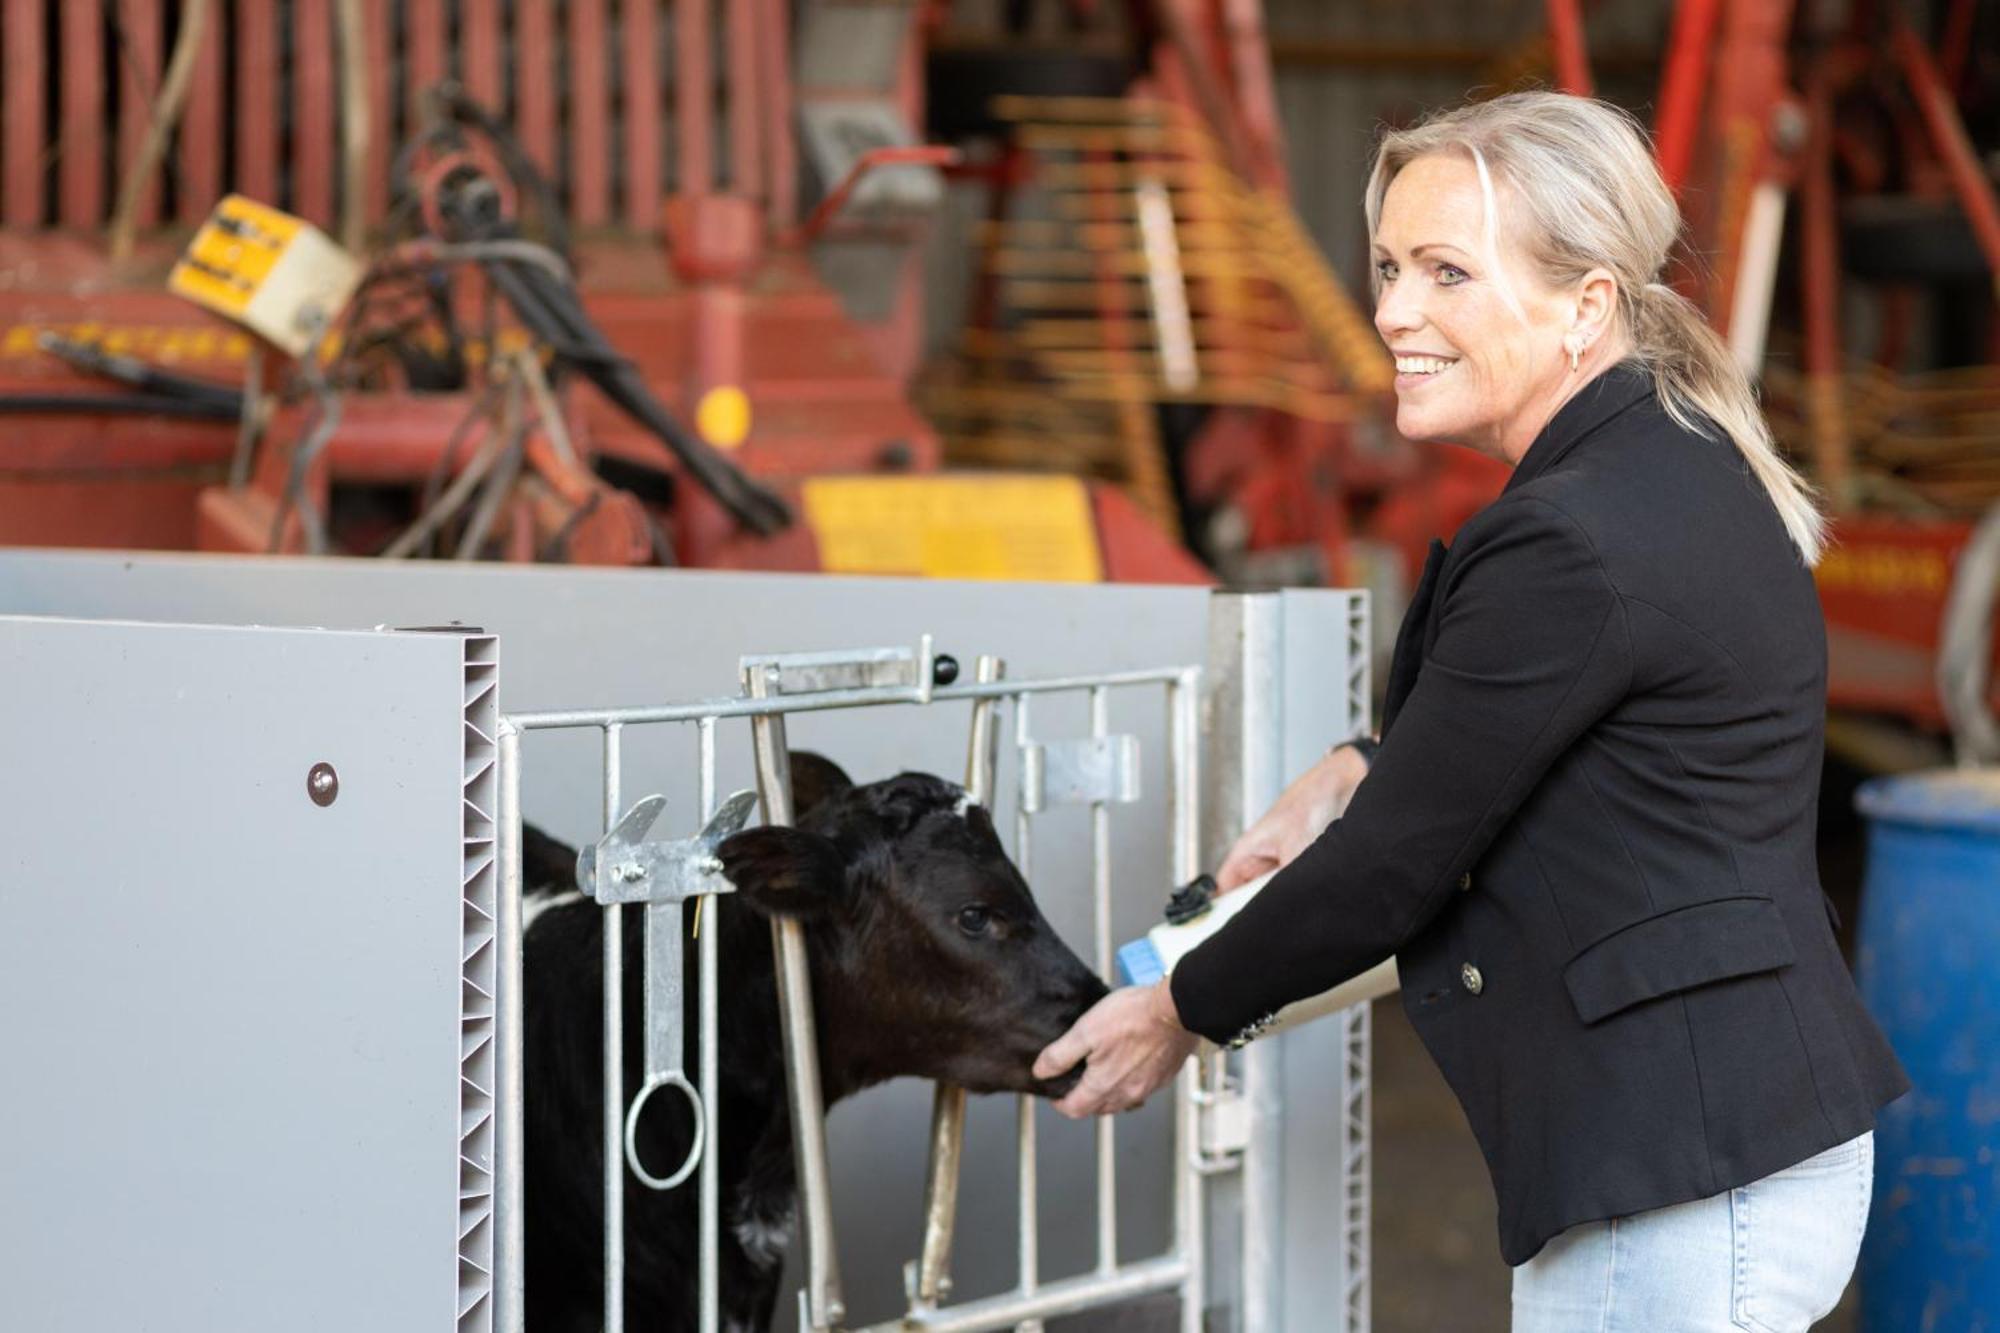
[(975, 920)]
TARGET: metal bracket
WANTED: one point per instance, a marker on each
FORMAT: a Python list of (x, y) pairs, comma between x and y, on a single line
[(1223, 1113), (624, 868), (1082, 772), (848, 669)]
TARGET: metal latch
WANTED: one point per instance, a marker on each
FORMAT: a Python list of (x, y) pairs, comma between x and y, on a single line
[(1082, 772), (1222, 1116), (624, 868)]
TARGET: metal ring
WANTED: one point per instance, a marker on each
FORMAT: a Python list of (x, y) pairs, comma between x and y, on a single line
[(653, 1084)]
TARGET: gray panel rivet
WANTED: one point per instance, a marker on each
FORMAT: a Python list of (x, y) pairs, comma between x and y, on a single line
[(322, 784)]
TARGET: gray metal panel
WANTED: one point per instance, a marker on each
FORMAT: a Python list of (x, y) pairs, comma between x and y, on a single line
[(1290, 679), (577, 637), (233, 1035), (1326, 700)]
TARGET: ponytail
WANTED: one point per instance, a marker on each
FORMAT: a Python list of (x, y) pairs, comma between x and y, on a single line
[(1704, 389)]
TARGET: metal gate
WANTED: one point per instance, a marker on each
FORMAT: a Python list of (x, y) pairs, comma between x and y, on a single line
[(1218, 1101)]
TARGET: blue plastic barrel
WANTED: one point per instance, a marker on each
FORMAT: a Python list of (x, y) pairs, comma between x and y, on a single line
[(1930, 972)]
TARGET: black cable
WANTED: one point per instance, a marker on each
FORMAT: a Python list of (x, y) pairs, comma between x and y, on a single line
[(146, 378), (120, 404)]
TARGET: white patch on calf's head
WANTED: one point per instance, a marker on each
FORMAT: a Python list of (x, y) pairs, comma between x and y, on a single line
[(535, 904), (963, 804), (765, 1239)]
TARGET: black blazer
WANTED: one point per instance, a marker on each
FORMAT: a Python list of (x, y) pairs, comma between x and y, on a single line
[(1588, 837)]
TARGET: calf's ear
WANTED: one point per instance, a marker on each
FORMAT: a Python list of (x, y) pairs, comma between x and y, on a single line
[(815, 778), (784, 871)]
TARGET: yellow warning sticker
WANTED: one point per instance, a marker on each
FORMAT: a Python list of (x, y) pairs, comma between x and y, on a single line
[(955, 527), (280, 276)]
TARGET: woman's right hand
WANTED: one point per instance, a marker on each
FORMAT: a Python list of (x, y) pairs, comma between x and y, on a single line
[(1300, 815)]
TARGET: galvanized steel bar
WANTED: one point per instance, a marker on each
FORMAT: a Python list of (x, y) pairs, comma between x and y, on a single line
[(614, 1061), (1027, 1237), (947, 1142), (774, 784), (711, 1102), (833, 699), (1184, 759), (1100, 900), (508, 1216), (1027, 1230), (1057, 1298)]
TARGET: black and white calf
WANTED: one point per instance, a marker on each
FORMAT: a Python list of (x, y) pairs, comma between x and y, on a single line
[(929, 958)]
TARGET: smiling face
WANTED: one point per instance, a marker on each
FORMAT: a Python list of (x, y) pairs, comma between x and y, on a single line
[(1473, 367)]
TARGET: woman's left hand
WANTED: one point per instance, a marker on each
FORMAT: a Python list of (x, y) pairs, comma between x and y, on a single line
[(1134, 1043)]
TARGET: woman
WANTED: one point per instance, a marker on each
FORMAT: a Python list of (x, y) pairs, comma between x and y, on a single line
[(1587, 834)]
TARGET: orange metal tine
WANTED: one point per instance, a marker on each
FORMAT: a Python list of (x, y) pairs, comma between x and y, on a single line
[(480, 44), (644, 110), (199, 154), (694, 98), (535, 84), (745, 107), (424, 36), (781, 155), (138, 63), (315, 95), (381, 114), (255, 36), (590, 114), (1572, 56), (82, 167), (22, 203), (1948, 137)]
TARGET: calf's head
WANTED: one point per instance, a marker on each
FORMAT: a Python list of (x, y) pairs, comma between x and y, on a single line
[(929, 956)]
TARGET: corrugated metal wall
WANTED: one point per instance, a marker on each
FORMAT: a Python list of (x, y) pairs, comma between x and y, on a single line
[(1344, 68)]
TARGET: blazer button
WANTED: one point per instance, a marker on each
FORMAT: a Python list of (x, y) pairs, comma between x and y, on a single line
[(1465, 880), (1470, 976)]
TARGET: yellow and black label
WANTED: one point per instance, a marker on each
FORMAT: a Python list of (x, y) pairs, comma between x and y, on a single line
[(267, 270), (956, 527)]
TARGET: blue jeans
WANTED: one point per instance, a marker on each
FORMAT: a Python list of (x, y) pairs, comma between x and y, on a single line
[(1769, 1257)]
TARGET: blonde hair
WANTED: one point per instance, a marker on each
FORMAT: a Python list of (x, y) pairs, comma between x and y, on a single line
[(1590, 196)]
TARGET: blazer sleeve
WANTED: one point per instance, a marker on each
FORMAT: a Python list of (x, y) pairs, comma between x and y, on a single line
[(1532, 649)]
